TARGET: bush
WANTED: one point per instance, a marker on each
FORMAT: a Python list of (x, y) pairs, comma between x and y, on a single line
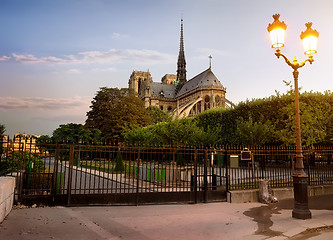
[(119, 163), (21, 161), (180, 160)]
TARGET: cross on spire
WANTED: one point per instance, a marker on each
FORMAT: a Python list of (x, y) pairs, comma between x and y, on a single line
[(210, 61)]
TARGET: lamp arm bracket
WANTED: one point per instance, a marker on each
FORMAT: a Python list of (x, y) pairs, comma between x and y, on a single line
[(278, 54), (295, 65), (310, 60)]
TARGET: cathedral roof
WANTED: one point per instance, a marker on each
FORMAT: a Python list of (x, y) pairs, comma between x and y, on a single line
[(162, 90), (204, 79)]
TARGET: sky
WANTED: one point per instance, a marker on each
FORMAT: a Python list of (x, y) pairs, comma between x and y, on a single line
[(56, 54)]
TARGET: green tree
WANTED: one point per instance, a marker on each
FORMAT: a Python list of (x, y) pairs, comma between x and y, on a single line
[(278, 114), (2, 133), (2, 130), (221, 123), (22, 161), (114, 109), (139, 135), (158, 115), (119, 163), (183, 131), (314, 115), (73, 132), (43, 143), (254, 133)]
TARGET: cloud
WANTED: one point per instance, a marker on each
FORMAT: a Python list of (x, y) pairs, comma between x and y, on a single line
[(4, 58), (29, 58), (74, 71), (127, 55), (119, 36), (43, 104), (111, 56)]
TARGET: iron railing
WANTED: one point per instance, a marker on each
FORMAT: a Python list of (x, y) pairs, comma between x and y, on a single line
[(276, 163), (144, 173), (134, 173)]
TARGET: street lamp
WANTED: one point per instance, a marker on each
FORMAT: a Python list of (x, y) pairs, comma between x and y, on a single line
[(309, 38)]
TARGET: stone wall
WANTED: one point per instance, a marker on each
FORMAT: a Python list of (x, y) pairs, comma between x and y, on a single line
[(243, 196), (7, 186)]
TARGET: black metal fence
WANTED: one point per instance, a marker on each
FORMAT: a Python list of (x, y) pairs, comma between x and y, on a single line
[(276, 163), (63, 173)]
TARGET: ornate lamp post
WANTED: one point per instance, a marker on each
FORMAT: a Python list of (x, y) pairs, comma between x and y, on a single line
[(309, 38)]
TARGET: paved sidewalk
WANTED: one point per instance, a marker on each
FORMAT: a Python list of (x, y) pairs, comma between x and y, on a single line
[(251, 221)]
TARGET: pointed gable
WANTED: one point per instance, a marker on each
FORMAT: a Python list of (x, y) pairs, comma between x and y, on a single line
[(205, 79)]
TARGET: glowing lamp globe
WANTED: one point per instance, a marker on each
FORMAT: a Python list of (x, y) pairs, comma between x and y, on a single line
[(277, 32), (310, 39)]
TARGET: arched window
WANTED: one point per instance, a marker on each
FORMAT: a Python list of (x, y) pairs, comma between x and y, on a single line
[(161, 107), (139, 85), (218, 101), (207, 102), (199, 107), (169, 108)]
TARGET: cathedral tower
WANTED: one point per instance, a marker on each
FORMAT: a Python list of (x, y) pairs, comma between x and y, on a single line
[(181, 64)]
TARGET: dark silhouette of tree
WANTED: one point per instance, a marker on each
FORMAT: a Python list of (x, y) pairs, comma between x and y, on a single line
[(113, 110)]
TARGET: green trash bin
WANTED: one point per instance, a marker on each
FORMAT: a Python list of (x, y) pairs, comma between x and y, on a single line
[(160, 175), (60, 182), (149, 176)]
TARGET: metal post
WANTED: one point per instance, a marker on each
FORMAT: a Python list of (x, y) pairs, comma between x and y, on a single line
[(79, 157), (300, 178), (195, 185), (226, 170), (55, 180), (70, 171), (137, 177), (205, 176)]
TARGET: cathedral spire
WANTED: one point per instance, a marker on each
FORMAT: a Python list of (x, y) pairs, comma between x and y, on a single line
[(181, 64)]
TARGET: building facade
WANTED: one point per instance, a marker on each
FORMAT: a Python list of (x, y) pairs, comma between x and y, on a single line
[(176, 94)]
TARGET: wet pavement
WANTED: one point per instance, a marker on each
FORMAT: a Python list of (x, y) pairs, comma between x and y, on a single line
[(252, 221), (266, 214), (262, 216)]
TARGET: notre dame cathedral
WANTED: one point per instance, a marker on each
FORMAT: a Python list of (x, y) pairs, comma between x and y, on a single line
[(178, 95)]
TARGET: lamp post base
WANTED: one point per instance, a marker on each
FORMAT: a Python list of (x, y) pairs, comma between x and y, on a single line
[(301, 208)]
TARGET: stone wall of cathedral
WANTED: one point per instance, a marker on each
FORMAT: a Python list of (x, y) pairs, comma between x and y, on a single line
[(138, 81), (204, 97)]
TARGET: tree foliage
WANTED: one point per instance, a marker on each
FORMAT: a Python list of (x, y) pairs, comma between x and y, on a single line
[(178, 132), (22, 161), (256, 122), (2, 133), (119, 163), (274, 117), (73, 132), (2, 130), (113, 109), (220, 122), (158, 115), (254, 133)]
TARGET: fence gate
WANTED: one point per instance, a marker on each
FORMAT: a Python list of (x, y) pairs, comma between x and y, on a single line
[(68, 174)]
